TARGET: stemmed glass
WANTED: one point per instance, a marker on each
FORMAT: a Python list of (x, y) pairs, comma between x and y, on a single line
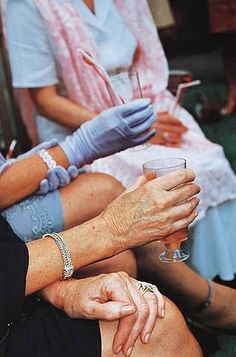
[(161, 167)]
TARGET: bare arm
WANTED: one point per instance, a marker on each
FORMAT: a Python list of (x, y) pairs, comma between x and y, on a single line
[(87, 244), (24, 176), (55, 107)]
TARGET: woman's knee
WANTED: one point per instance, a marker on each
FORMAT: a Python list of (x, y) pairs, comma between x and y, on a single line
[(176, 334), (87, 196), (170, 337), (106, 184)]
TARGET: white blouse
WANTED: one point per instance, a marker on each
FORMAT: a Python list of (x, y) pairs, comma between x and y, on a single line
[(32, 56)]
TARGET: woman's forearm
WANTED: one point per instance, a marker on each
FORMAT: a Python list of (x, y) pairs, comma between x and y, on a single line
[(24, 176), (55, 107), (87, 243)]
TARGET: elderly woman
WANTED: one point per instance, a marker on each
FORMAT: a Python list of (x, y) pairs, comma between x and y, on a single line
[(135, 306)]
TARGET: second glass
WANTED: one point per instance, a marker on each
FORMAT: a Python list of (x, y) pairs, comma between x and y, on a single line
[(126, 85), (161, 167)]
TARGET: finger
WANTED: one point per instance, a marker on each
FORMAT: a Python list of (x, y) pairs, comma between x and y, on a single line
[(156, 303), (152, 301), (140, 116), (135, 106), (63, 176), (73, 171), (184, 222), (53, 180), (142, 127), (141, 180), (184, 209), (143, 138), (172, 137), (111, 310), (43, 187), (140, 321), (172, 144), (183, 193), (158, 140), (170, 128), (172, 179), (116, 290), (161, 302), (167, 118)]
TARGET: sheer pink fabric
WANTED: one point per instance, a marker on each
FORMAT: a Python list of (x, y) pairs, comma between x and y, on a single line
[(69, 33)]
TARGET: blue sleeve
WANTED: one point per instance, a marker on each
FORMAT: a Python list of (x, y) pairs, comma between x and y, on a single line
[(30, 51)]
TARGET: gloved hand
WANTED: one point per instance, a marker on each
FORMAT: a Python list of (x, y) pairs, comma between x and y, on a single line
[(113, 130), (57, 177)]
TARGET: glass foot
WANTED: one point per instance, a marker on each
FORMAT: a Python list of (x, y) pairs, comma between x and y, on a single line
[(174, 256)]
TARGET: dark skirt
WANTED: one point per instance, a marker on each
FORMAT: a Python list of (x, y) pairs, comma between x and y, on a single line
[(49, 332)]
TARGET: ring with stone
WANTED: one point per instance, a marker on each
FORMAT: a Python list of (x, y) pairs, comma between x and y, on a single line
[(145, 287)]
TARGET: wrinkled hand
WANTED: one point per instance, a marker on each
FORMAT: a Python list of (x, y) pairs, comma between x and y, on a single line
[(111, 297), (152, 211), (170, 130), (113, 130)]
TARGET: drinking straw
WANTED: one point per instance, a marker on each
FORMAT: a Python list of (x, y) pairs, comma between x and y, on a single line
[(11, 149), (103, 73), (180, 91)]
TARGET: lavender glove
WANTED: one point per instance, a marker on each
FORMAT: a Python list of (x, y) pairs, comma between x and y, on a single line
[(113, 130), (57, 177)]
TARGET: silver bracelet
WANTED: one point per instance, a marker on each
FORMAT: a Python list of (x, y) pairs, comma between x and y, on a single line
[(68, 268), (46, 157)]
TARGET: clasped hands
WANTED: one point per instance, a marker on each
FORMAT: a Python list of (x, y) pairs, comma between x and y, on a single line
[(111, 297)]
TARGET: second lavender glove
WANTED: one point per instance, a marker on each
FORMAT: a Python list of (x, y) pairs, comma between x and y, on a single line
[(113, 130)]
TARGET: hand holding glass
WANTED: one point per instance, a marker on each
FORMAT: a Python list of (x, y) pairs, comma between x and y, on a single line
[(161, 167)]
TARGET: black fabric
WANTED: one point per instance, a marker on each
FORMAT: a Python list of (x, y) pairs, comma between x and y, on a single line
[(38, 329), (51, 333), (13, 268)]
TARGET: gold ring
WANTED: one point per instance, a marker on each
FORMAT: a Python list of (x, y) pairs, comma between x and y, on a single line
[(144, 288)]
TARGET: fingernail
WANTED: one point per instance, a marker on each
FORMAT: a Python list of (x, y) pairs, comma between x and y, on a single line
[(128, 308), (129, 351), (118, 349), (147, 337)]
